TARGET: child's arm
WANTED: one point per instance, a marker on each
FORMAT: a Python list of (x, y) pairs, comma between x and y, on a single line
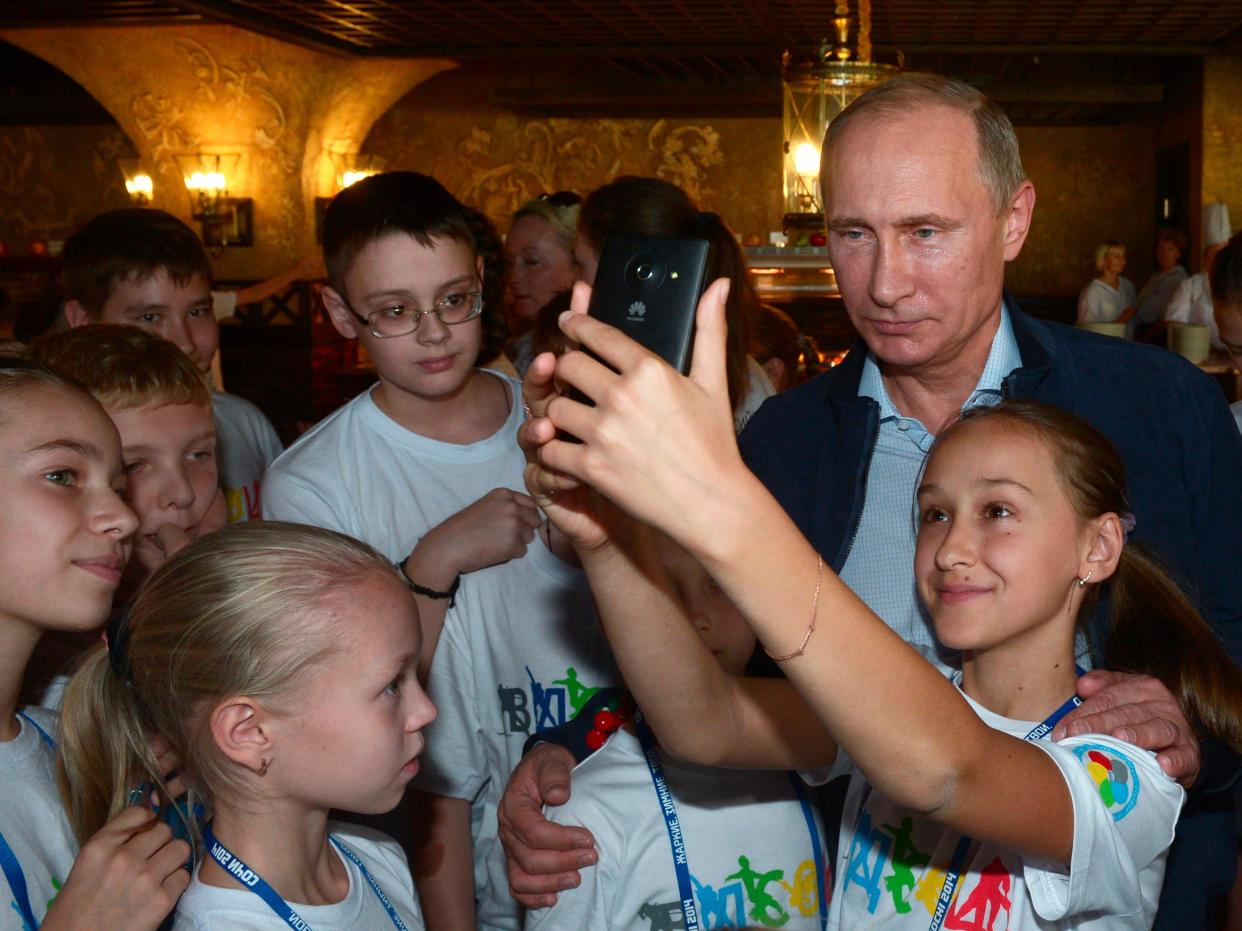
[(700, 713), (127, 877), (443, 864), (709, 717), (492, 530), (663, 447)]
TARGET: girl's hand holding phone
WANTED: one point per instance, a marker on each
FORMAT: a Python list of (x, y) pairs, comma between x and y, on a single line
[(657, 443)]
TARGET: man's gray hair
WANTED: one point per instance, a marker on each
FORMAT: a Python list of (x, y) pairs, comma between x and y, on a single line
[(1000, 164)]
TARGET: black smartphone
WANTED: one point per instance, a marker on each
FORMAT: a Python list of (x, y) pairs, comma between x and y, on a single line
[(648, 287)]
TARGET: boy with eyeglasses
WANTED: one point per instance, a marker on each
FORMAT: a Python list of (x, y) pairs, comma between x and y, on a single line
[(425, 467)]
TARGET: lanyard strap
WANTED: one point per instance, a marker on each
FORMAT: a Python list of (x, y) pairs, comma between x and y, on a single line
[(817, 852), (236, 867), (689, 911), (9, 863), (47, 738), (17, 882), (677, 841), (958, 863)]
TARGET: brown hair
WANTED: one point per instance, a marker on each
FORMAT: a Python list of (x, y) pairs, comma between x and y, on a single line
[(128, 245), (1153, 628), (237, 612), (124, 367), (1000, 163), (651, 207), (383, 204)]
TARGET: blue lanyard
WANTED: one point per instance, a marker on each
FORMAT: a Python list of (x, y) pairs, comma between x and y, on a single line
[(236, 867), (677, 841), (958, 863), (9, 863)]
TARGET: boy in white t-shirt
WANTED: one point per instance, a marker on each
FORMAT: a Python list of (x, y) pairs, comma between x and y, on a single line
[(753, 842), (425, 466), (145, 268)]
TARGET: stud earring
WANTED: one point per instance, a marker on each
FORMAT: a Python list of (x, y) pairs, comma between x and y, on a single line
[(263, 765), (1082, 582)]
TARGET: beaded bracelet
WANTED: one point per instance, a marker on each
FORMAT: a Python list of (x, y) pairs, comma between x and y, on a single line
[(423, 590)]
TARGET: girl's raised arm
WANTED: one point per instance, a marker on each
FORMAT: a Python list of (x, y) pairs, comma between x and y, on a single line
[(662, 446)]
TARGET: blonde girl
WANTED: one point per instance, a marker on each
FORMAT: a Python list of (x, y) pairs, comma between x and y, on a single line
[(278, 662), (961, 813), (65, 535)]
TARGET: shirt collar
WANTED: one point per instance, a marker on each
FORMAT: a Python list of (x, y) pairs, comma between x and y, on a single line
[(1003, 358)]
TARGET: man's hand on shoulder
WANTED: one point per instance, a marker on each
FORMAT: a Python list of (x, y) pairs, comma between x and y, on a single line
[(542, 858), (1141, 711)]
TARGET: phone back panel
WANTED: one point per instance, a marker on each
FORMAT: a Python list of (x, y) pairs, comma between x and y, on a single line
[(649, 288)]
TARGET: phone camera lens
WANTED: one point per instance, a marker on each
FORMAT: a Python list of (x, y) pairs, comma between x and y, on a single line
[(644, 272)]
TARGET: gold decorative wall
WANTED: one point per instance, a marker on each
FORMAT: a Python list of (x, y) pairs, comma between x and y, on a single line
[(1222, 135), (496, 159), (53, 178), (217, 88), (1092, 183)]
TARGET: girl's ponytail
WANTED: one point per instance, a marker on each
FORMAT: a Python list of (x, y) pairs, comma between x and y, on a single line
[(105, 748), (1155, 630)]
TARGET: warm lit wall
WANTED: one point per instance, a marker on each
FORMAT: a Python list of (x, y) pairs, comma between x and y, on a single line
[(178, 89), (1222, 134), (1091, 184), (496, 159), (52, 178)]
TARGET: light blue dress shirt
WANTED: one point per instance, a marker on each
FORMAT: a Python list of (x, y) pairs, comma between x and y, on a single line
[(880, 565)]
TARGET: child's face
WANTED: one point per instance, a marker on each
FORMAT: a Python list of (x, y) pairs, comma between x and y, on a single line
[(436, 359), (999, 545), (64, 530), (170, 457), (181, 314), (354, 742), (714, 616)]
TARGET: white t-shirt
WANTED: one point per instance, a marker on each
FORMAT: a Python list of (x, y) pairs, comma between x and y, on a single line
[(748, 847), (521, 651), (1236, 408), (1192, 303), (31, 817), (1125, 811), (1102, 303), (758, 389), (206, 908), (361, 473), (246, 444)]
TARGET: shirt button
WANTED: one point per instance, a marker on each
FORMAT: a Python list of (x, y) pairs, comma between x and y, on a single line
[(903, 426)]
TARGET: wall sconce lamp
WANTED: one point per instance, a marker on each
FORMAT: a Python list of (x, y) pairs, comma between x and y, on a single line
[(348, 168), (137, 180), (223, 220)]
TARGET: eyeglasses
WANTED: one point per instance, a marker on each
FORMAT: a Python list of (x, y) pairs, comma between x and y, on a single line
[(561, 199), (402, 319)]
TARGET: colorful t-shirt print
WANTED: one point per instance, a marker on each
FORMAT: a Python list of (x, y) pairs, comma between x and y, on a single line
[(892, 865), (747, 846)]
